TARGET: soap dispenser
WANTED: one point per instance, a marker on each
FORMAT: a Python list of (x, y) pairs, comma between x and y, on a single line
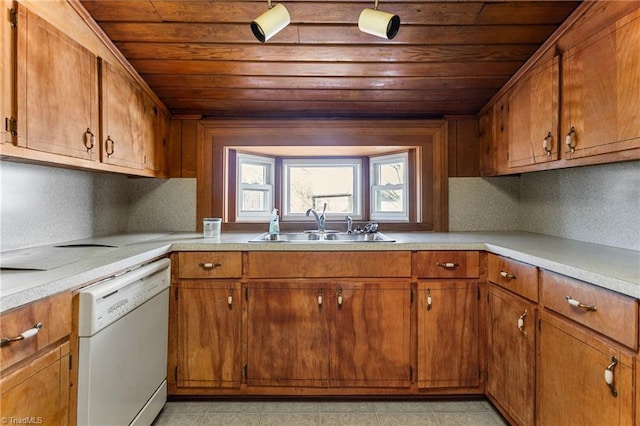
[(274, 223)]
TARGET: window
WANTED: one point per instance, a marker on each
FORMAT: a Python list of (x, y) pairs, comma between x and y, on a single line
[(310, 183), (255, 189), (389, 191)]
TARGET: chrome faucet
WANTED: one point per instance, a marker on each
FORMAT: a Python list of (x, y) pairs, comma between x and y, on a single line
[(349, 224), (320, 218)]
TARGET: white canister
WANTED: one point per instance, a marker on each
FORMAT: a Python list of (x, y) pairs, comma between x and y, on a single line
[(211, 226)]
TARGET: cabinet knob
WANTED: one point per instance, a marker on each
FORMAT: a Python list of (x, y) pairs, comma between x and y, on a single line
[(546, 143), (578, 304), (89, 139), (24, 335), (521, 322), (608, 376), (448, 265), (209, 265), (109, 146), (570, 139), (507, 275)]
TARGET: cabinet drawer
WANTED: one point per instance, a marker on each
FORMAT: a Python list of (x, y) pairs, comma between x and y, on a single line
[(207, 264), (53, 312), (602, 310), (379, 264), (521, 278), (447, 264)]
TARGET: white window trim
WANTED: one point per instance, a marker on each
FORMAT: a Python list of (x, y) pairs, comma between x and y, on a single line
[(252, 216), (356, 164), (374, 162)]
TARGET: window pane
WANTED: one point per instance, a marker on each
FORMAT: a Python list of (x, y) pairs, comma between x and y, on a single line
[(389, 200), (253, 173), (313, 186), (253, 200), (391, 173)]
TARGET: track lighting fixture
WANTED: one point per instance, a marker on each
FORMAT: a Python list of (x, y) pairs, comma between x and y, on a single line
[(270, 22), (378, 23)]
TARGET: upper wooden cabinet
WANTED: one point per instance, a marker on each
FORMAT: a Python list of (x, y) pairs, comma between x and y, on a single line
[(54, 115), (601, 91), (533, 116), (62, 105)]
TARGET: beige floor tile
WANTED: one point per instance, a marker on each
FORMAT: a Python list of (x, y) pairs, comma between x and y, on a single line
[(179, 419), (403, 407), (466, 419), (347, 407), (232, 419), (407, 419), (290, 419), (291, 407), (348, 419)]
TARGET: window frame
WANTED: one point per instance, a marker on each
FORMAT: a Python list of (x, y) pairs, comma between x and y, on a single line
[(268, 188), (374, 163)]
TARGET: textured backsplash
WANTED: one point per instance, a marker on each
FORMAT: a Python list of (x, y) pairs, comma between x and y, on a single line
[(46, 205)]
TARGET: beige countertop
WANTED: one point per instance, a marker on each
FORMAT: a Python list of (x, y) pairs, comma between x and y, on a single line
[(609, 267)]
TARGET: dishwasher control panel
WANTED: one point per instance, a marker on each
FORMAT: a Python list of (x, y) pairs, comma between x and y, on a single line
[(108, 300)]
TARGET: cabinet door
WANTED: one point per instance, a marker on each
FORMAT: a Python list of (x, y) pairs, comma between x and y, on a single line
[(6, 71), (448, 340), (38, 393), (370, 338), (287, 337), (126, 118), (486, 143), (55, 115), (571, 377), (209, 321), (601, 91), (533, 117), (511, 354)]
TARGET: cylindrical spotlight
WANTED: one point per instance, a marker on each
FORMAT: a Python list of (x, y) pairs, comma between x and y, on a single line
[(270, 22), (378, 23)]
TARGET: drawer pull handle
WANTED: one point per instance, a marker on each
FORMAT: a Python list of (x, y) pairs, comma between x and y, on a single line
[(546, 142), (578, 304), (208, 266), (89, 139), (507, 275), (340, 298), (320, 301), (230, 299), (521, 322), (429, 300), (25, 335), (608, 376), (448, 265), (569, 140)]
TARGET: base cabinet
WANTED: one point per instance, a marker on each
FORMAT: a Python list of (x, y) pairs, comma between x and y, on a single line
[(448, 340), (571, 375), (511, 354), (209, 317), (38, 393), (349, 334)]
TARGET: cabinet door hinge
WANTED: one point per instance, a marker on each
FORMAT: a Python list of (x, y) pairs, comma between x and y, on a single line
[(11, 125), (411, 297), (13, 18)]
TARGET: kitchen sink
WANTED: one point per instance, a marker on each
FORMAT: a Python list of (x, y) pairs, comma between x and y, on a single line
[(322, 237)]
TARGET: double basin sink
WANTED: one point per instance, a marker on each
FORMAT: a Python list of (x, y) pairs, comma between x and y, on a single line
[(320, 237)]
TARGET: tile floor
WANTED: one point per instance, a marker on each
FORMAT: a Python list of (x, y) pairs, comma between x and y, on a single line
[(330, 413)]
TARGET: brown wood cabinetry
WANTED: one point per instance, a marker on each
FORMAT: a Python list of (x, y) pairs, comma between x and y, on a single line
[(601, 91), (533, 116), (39, 390), (571, 373), (53, 115), (511, 354), (209, 316), (448, 319), (34, 378), (206, 312), (58, 107), (511, 341)]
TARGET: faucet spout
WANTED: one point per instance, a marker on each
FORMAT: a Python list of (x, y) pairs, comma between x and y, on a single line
[(320, 218)]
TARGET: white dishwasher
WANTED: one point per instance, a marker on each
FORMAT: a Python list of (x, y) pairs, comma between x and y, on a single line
[(123, 335)]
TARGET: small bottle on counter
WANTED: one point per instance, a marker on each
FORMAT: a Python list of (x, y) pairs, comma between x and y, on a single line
[(274, 223)]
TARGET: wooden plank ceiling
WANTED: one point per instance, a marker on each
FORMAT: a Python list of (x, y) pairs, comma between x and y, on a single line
[(449, 57)]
